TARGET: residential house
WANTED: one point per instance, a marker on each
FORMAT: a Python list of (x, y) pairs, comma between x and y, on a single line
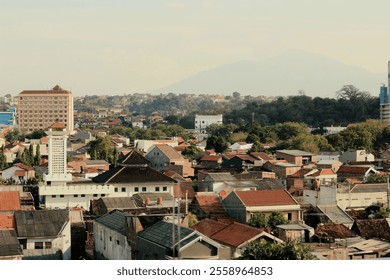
[(164, 157), (144, 146), (9, 203), (156, 243), (356, 155), (240, 146), (132, 175), (111, 237), (356, 172), (333, 233), (294, 232), (372, 228), (240, 162), (243, 204), (105, 205), (207, 205), (18, 173), (282, 169), (120, 139), (296, 157), (329, 164), (234, 235), (328, 156), (261, 157), (211, 161), (348, 196), (44, 234), (137, 123), (215, 181), (10, 248)]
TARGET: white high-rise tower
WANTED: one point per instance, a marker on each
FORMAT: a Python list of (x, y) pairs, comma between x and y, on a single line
[(57, 169)]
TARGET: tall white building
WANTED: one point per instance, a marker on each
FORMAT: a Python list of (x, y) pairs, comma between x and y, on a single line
[(57, 167), (203, 121)]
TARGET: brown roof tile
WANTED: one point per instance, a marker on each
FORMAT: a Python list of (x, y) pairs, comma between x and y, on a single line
[(266, 197), (9, 200)]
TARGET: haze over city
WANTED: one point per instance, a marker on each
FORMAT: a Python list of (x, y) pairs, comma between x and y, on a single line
[(117, 47)]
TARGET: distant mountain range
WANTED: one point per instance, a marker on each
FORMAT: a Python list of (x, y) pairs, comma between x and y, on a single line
[(283, 75)]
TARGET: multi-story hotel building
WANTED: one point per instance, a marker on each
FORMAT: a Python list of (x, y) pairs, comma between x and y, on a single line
[(38, 109)]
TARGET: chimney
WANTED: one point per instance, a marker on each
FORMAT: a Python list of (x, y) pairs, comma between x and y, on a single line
[(159, 201), (147, 201)]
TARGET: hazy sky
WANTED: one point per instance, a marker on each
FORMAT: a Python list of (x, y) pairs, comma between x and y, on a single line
[(127, 46)]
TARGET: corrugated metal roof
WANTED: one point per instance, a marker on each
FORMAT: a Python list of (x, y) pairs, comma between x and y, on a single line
[(161, 233), (40, 223), (9, 244), (115, 220), (220, 177)]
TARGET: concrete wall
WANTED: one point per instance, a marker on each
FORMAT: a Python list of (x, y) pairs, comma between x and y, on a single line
[(110, 244)]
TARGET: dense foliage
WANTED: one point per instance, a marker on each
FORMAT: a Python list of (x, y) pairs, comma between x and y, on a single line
[(263, 250)]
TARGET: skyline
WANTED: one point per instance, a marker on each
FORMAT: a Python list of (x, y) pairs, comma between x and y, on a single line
[(116, 47)]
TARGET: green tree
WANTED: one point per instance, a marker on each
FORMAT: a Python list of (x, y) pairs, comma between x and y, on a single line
[(258, 220), (218, 144), (192, 152), (101, 148), (257, 147), (263, 250), (3, 159), (277, 218), (37, 157)]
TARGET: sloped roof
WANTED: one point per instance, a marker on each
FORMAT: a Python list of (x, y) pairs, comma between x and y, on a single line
[(336, 231), (134, 158), (266, 198), (211, 158), (119, 203), (300, 173), (294, 152), (121, 174), (176, 176), (9, 244), (210, 204), (40, 223), (270, 184), (236, 234), (261, 155), (220, 177), (168, 151), (335, 214), (372, 228), (209, 227), (9, 200), (115, 220), (325, 171), (23, 166), (353, 169), (161, 233), (6, 220), (57, 125)]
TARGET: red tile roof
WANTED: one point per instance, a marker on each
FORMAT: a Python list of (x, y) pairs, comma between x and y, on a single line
[(9, 200), (23, 166), (353, 169), (321, 172), (211, 158), (261, 155), (236, 234), (6, 221), (208, 227), (266, 198)]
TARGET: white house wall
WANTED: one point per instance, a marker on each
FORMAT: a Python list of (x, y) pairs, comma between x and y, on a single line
[(110, 244)]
